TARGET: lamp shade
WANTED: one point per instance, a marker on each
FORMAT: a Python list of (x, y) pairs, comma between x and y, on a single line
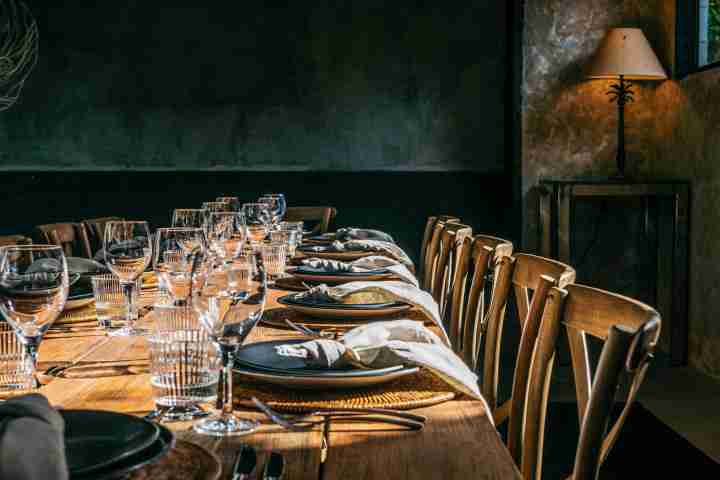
[(626, 52)]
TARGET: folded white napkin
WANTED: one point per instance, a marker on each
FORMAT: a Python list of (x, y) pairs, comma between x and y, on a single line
[(365, 264), (387, 248), (386, 344), (353, 233), (394, 290)]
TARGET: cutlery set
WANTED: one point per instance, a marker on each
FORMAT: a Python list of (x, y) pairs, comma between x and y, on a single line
[(246, 461)]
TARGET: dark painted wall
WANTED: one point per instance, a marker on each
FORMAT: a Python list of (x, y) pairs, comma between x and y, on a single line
[(313, 85)]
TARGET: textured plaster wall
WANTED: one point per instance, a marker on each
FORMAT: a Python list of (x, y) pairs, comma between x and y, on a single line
[(317, 85), (673, 130)]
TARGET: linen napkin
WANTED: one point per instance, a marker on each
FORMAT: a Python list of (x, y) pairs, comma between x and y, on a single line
[(352, 233), (386, 248), (390, 291), (386, 344), (32, 446), (365, 264)]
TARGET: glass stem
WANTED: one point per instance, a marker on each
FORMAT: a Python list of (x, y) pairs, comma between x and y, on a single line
[(225, 385), (31, 349), (128, 290)]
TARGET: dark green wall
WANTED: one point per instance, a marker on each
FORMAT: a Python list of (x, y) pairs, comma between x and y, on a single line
[(341, 85)]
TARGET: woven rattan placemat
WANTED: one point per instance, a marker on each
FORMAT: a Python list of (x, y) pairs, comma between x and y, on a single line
[(420, 390)]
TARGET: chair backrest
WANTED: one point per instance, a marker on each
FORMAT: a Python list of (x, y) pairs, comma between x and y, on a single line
[(71, 236), (452, 238), (432, 252), (95, 229), (427, 235), (7, 240), (321, 215), (476, 262), (530, 277), (630, 330)]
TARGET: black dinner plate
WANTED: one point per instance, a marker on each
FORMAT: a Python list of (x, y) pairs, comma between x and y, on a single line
[(303, 302), (96, 440), (305, 270), (161, 446), (262, 356)]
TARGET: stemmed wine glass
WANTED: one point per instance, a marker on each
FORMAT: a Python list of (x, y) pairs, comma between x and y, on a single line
[(233, 202), (226, 234), (282, 203), (216, 207), (274, 205), (228, 319), (34, 286), (173, 256), (257, 219), (189, 217), (127, 254)]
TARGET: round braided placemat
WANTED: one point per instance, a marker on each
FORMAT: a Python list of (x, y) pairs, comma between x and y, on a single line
[(414, 391)]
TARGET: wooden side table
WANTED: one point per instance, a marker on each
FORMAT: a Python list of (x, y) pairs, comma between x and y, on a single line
[(557, 199)]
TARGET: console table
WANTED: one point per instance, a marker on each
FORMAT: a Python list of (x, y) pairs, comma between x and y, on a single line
[(557, 202)]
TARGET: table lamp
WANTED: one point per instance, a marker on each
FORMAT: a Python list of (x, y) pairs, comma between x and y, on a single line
[(624, 55)]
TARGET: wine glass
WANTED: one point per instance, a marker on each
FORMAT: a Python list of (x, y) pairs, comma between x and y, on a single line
[(226, 234), (189, 217), (216, 207), (127, 254), (34, 285), (282, 203), (233, 202), (228, 319), (173, 257), (273, 204), (257, 219)]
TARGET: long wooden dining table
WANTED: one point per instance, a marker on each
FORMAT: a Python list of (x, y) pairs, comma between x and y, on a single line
[(459, 440)]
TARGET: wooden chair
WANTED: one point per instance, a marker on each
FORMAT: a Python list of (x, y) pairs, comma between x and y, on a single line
[(432, 251), (71, 236), (8, 240), (452, 239), (427, 236), (530, 277), (322, 215), (630, 330), (476, 263), (95, 229)]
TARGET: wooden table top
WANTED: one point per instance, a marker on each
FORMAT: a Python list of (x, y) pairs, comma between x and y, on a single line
[(458, 442)]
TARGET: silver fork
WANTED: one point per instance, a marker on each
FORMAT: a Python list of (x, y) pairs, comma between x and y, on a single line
[(318, 334), (367, 415)]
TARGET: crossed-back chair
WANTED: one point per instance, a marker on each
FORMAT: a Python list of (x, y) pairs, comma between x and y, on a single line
[(7, 240), (322, 215), (72, 237), (427, 237), (630, 330), (452, 238), (476, 262), (432, 253), (530, 277), (95, 229)]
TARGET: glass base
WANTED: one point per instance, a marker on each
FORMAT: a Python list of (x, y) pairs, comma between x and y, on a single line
[(176, 413), (226, 426), (133, 331)]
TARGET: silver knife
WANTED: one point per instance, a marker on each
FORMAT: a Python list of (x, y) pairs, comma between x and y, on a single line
[(244, 463), (274, 467)]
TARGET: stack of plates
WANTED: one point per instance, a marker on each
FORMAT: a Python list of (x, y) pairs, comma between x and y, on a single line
[(341, 310), (261, 362), (318, 275), (103, 445)]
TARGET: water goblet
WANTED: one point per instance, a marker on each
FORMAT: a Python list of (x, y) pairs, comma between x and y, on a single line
[(282, 203), (226, 234), (189, 217), (173, 257), (228, 319), (34, 286), (128, 251), (274, 206), (216, 207), (257, 219), (233, 202)]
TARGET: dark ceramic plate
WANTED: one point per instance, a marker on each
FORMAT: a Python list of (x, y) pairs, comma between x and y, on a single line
[(263, 357), (304, 270), (154, 452), (290, 300), (95, 440)]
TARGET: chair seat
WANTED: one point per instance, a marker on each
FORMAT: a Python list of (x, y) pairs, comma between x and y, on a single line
[(646, 447)]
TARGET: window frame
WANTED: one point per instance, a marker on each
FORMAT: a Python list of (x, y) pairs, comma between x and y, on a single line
[(687, 39)]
